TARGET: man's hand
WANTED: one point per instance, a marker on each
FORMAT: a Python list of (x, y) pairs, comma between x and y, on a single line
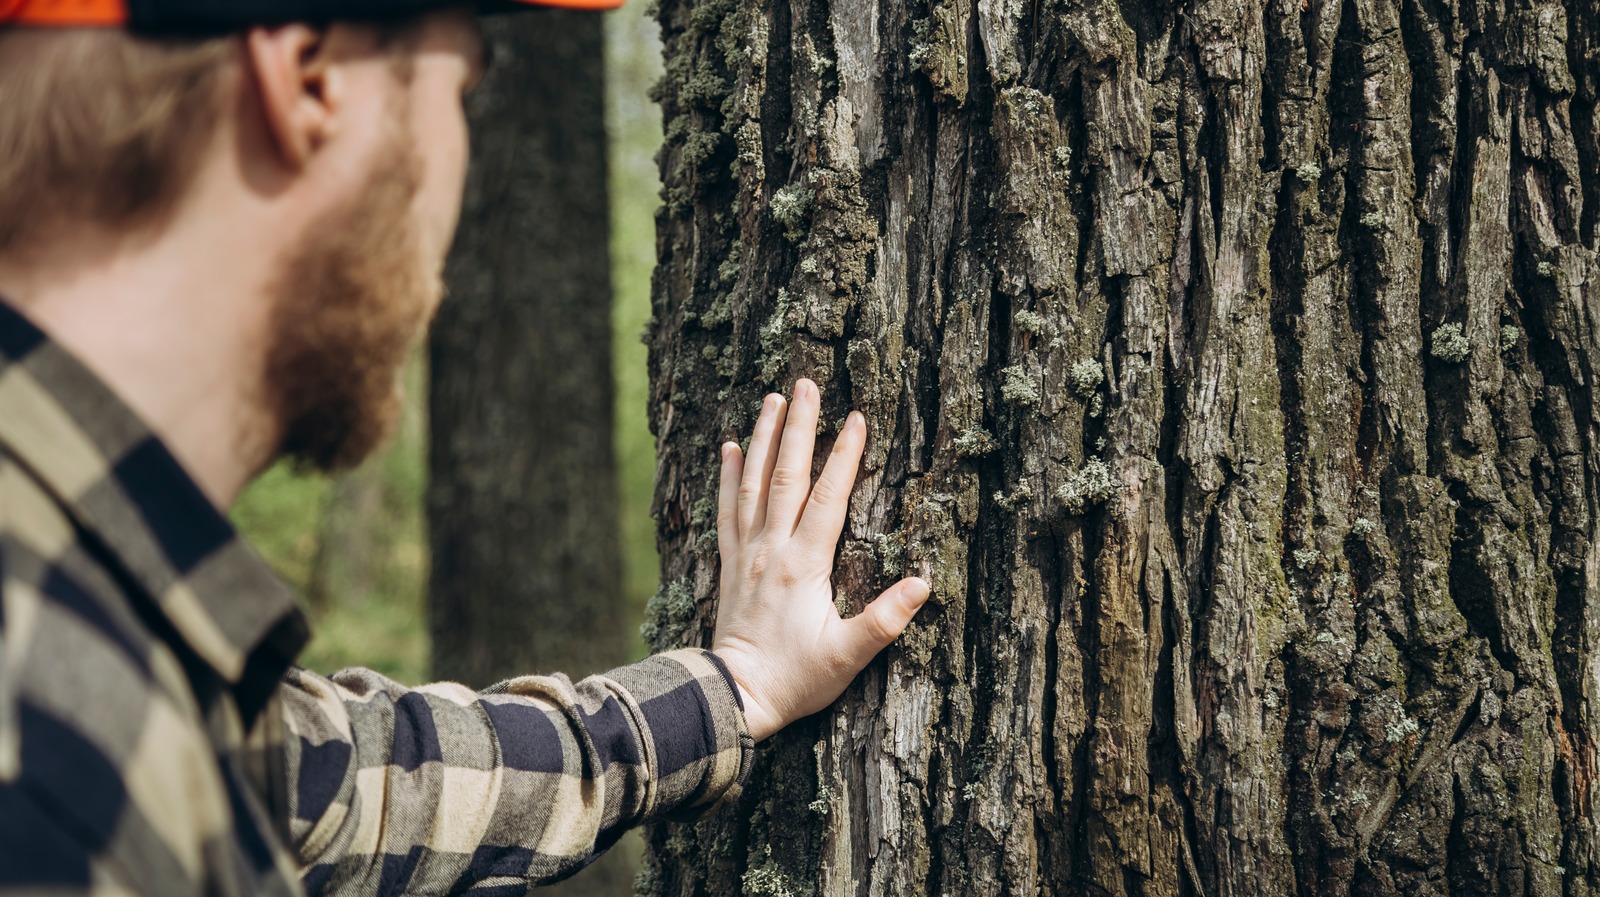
[(777, 629)]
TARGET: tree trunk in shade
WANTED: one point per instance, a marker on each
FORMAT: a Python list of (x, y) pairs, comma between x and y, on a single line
[(1231, 368), (522, 505), (347, 560)]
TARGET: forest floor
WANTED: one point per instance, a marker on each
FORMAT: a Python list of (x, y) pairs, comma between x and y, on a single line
[(373, 613)]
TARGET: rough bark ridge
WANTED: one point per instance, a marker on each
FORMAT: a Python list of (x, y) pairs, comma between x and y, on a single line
[(1231, 372)]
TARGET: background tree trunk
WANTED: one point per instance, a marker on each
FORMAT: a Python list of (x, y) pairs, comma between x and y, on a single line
[(348, 559), (522, 504), (521, 497), (1231, 368)]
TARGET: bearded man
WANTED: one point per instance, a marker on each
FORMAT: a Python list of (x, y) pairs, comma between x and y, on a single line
[(222, 226)]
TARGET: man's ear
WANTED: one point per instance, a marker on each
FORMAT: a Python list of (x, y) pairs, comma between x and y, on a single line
[(297, 87)]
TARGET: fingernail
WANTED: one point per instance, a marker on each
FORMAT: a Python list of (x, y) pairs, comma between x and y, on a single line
[(857, 419)]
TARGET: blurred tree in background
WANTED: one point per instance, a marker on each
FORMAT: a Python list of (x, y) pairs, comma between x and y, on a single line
[(522, 504)]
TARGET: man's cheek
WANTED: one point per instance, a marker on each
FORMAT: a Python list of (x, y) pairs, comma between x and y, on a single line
[(457, 180), (445, 217), (435, 210)]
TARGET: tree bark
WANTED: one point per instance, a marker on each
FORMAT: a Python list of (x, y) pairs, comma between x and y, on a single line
[(1230, 367)]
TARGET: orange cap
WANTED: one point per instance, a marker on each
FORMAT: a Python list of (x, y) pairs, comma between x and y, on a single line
[(64, 12), (102, 13)]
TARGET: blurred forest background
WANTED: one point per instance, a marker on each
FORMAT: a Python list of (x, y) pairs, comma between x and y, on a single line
[(355, 545)]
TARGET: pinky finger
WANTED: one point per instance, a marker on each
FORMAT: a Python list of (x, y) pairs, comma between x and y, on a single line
[(728, 500)]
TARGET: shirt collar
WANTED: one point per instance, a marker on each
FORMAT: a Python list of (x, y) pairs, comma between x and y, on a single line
[(125, 490)]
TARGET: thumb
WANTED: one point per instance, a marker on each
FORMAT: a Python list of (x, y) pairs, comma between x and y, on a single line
[(882, 621)]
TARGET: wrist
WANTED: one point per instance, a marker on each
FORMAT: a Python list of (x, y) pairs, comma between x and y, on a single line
[(756, 718), (760, 721)]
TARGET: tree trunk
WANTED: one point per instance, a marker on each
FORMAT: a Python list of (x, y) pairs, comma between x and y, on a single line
[(522, 491), (347, 562), (1230, 370)]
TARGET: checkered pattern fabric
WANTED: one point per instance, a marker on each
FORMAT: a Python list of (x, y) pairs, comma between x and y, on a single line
[(156, 739)]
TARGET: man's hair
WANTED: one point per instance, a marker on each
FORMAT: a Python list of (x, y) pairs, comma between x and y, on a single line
[(100, 127)]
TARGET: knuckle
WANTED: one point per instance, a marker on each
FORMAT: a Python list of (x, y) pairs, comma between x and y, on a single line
[(789, 575), (824, 493), (784, 565), (759, 561), (785, 477), (878, 627), (841, 658)]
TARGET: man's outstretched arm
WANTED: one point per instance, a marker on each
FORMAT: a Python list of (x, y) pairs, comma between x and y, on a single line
[(440, 787), (433, 788)]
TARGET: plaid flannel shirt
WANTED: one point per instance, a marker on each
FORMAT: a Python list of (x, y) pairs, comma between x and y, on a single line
[(156, 739)]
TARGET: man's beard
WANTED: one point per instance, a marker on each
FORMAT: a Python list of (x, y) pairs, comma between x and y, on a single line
[(354, 297)]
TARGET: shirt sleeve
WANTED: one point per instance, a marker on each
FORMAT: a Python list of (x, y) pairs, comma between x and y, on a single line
[(41, 855), (440, 788)]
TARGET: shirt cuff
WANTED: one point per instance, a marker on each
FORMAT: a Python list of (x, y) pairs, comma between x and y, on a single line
[(694, 730)]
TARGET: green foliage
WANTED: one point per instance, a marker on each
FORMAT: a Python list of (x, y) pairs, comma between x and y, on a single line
[(279, 513), (633, 61)]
